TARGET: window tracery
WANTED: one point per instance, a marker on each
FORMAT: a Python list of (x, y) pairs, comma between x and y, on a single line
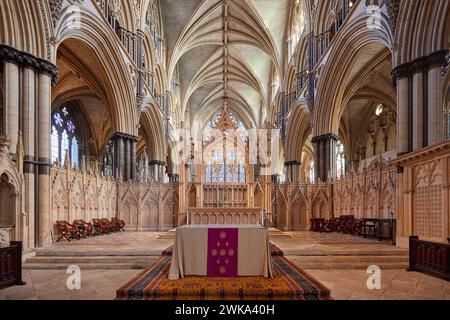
[(152, 21), (108, 158), (340, 160), (223, 156), (298, 25), (65, 138)]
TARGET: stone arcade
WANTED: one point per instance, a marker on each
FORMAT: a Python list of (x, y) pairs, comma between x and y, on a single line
[(164, 113)]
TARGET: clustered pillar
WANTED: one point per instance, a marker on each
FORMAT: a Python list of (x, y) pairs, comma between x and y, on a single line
[(420, 107), (158, 170), (125, 156), (27, 100), (325, 156), (292, 170)]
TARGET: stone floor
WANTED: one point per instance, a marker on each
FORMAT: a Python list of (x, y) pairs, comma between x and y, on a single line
[(344, 283), (127, 241), (395, 285)]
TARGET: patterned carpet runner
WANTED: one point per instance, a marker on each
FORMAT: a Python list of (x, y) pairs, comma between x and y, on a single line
[(290, 283)]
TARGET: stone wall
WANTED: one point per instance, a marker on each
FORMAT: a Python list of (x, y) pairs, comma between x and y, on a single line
[(77, 194), (369, 194), (148, 206), (84, 194), (294, 204)]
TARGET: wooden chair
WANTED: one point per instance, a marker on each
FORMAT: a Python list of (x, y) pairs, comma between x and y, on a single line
[(68, 231), (111, 227), (352, 225), (120, 224), (342, 222), (87, 229), (100, 227), (332, 225)]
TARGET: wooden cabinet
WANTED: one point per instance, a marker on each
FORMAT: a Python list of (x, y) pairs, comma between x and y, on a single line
[(11, 265)]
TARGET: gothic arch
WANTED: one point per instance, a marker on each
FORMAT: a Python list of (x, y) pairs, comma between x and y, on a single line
[(151, 124), (354, 38), (419, 37), (121, 93), (19, 20), (298, 129)]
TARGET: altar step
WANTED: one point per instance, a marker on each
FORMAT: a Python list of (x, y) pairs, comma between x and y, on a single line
[(169, 235), (351, 262), (51, 258), (89, 262), (273, 233)]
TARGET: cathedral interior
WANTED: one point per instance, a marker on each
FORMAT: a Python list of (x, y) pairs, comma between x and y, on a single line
[(326, 121)]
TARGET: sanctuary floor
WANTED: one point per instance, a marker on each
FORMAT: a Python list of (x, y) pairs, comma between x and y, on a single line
[(338, 261)]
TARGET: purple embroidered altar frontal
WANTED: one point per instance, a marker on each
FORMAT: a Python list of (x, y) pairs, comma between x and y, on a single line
[(222, 252)]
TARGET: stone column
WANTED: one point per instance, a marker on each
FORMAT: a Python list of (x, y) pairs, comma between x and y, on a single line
[(402, 116), (419, 96), (323, 161), (127, 159), (133, 159), (297, 171), (435, 106), (162, 166), (140, 63), (121, 157), (316, 146), (325, 156), (11, 85), (44, 116), (29, 141), (417, 110)]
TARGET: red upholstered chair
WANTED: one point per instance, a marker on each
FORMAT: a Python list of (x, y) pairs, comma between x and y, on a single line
[(100, 227), (120, 224), (111, 226), (68, 231), (86, 229), (331, 225)]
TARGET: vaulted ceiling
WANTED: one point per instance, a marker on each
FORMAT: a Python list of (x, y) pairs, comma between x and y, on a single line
[(225, 48)]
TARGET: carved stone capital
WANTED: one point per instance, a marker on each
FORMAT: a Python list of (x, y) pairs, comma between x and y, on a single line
[(436, 59), (26, 60), (325, 137), (125, 136)]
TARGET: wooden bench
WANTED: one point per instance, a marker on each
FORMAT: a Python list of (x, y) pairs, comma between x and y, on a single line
[(429, 257)]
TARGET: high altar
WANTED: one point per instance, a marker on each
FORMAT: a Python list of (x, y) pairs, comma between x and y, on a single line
[(223, 189)]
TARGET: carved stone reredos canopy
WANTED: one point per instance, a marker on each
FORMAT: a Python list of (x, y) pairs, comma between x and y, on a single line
[(4, 145), (225, 122)]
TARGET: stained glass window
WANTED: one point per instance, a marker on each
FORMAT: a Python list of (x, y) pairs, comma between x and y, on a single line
[(224, 159), (55, 144), (108, 158), (64, 138), (340, 160), (298, 25), (75, 152), (311, 171), (64, 145), (153, 24)]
